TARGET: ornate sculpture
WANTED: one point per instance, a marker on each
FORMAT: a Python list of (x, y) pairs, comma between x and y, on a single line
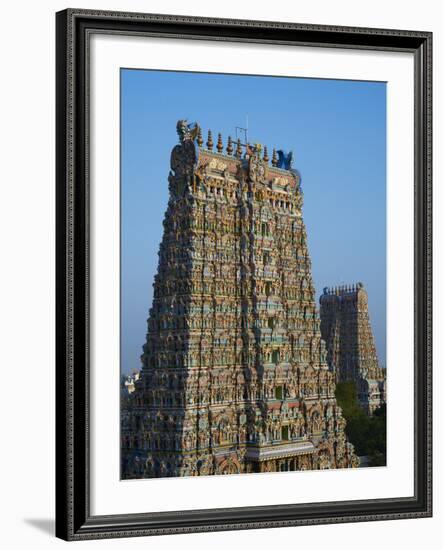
[(187, 131), (284, 160)]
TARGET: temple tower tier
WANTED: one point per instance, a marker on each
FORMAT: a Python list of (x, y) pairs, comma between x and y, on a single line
[(234, 376)]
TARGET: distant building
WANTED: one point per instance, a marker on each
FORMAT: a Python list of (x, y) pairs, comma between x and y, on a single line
[(234, 376), (128, 384), (127, 388), (351, 353), (129, 381)]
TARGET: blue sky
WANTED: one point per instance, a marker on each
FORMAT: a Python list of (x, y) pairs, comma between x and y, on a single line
[(337, 131)]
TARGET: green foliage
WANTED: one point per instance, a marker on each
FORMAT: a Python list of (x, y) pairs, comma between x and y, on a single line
[(346, 395), (366, 433)]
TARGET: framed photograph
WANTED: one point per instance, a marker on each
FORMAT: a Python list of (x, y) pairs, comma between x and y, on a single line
[(243, 274)]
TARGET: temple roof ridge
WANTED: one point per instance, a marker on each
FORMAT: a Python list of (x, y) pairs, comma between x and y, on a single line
[(340, 290), (233, 148)]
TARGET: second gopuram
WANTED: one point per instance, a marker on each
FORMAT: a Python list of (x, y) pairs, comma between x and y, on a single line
[(235, 376), (351, 354)]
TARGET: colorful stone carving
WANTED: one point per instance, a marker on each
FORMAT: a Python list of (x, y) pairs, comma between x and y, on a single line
[(234, 376)]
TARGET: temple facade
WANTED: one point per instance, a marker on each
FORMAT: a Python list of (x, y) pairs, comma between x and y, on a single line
[(235, 376), (351, 354)]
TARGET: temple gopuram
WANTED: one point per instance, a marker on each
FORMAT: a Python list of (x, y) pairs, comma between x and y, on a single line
[(235, 376), (351, 353)]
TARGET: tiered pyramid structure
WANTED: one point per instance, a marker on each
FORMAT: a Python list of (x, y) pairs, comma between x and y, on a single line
[(234, 377), (351, 354)]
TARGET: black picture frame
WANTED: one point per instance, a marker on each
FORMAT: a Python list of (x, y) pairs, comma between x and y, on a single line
[(73, 518)]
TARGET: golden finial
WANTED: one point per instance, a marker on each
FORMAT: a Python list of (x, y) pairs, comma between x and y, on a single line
[(229, 148), (199, 137), (274, 158), (210, 143), (239, 150), (220, 144), (265, 154)]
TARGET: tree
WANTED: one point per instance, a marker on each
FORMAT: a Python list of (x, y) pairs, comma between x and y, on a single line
[(366, 433)]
